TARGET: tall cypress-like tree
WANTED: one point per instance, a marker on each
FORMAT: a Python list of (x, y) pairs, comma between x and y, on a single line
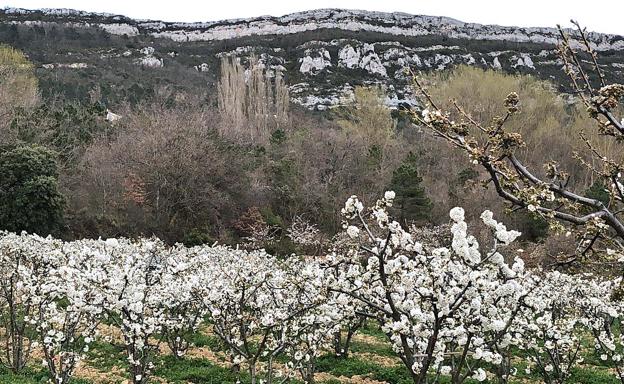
[(411, 203)]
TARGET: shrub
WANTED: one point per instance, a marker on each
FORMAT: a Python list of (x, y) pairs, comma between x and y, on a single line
[(30, 199)]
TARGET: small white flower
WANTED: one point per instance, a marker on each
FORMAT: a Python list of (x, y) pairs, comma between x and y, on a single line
[(353, 231), (479, 375), (457, 214), (112, 242)]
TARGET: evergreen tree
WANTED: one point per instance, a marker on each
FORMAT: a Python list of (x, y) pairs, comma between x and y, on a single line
[(29, 196), (411, 203)]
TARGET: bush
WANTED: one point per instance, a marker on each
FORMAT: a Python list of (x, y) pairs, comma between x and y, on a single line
[(197, 237), (533, 227), (29, 195)]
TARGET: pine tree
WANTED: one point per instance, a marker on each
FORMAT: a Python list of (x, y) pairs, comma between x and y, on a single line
[(411, 203)]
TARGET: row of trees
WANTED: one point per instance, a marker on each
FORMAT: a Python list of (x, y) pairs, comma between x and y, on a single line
[(452, 312)]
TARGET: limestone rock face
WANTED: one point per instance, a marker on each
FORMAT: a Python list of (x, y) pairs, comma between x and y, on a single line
[(323, 54), (151, 62), (314, 61)]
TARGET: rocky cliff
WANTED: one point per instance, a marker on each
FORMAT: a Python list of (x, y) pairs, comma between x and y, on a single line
[(323, 53)]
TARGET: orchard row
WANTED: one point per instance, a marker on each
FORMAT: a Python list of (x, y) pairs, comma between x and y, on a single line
[(450, 308)]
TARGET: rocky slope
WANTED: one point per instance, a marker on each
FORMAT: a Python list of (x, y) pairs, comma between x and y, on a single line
[(323, 53)]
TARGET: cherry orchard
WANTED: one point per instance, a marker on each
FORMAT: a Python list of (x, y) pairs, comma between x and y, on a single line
[(451, 309)]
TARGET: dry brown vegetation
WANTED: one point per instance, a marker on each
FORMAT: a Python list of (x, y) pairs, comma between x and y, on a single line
[(558, 161), (186, 171), (252, 102), (18, 87)]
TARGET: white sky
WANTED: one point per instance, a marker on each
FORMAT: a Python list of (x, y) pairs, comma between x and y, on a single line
[(597, 15)]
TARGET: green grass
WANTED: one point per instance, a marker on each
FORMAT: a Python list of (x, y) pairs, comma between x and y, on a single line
[(192, 371), (200, 371), (371, 328), (209, 341), (344, 367), (587, 375), (377, 349), (30, 376), (392, 375), (352, 366), (104, 356)]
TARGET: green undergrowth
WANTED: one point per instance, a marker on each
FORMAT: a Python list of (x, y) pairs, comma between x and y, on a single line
[(30, 376), (106, 357)]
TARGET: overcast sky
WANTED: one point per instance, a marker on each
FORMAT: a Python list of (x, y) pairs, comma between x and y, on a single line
[(598, 15)]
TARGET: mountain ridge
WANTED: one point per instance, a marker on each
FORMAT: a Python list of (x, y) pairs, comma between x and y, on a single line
[(399, 23), (323, 54)]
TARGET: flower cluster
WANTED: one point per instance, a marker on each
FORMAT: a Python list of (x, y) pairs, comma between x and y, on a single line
[(459, 311), (440, 307)]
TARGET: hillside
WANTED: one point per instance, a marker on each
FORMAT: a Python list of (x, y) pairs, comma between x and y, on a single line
[(323, 53)]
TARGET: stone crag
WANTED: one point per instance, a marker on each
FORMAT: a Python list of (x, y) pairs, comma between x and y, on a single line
[(323, 54)]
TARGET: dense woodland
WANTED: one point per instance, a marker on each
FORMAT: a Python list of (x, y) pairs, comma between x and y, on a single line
[(204, 167)]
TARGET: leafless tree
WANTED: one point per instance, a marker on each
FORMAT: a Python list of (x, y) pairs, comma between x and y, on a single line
[(18, 87), (252, 101)]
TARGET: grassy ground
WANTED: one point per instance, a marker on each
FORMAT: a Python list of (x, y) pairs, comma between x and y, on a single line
[(372, 361)]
